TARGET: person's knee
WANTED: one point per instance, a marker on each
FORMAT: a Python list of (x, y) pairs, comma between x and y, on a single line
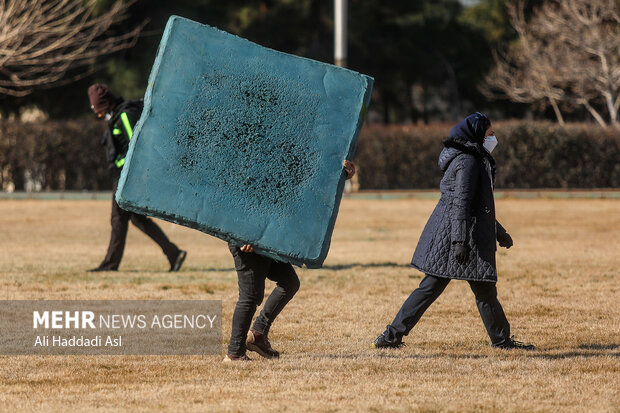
[(139, 220), (484, 292), (293, 286), (290, 284), (252, 298), (432, 286)]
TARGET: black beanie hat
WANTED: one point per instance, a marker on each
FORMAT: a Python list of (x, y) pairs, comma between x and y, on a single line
[(100, 97)]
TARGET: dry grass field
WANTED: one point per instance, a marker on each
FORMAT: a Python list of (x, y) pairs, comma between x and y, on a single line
[(559, 284)]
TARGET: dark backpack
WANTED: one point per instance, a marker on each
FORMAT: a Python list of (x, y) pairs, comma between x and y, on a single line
[(114, 147)]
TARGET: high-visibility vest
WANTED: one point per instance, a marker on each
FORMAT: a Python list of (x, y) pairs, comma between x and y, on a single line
[(120, 158), (120, 130)]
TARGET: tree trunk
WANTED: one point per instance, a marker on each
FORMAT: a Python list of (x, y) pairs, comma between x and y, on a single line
[(413, 113), (611, 108), (17, 177), (558, 113), (593, 112), (386, 109), (456, 97)]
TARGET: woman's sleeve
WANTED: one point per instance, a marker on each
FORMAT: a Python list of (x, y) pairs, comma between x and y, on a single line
[(466, 185), (499, 229)]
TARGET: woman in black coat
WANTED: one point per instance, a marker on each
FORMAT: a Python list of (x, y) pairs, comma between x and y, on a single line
[(459, 240)]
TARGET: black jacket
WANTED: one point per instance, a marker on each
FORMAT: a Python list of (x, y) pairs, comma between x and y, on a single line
[(119, 131), (465, 213)]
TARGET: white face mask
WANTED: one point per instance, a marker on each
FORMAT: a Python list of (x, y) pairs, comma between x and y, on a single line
[(490, 142)]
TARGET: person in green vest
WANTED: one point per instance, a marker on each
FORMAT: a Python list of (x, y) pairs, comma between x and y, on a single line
[(121, 116)]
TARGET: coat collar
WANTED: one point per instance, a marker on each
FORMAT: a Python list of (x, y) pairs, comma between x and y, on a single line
[(472, 148)]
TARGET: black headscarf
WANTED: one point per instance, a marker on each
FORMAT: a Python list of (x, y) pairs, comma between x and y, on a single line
[(472, 128), (467, 136)]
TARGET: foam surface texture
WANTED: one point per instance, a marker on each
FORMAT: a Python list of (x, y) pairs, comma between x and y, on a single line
[(244, 142)]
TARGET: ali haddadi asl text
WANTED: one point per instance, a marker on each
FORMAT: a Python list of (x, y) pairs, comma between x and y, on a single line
[(81, 341)]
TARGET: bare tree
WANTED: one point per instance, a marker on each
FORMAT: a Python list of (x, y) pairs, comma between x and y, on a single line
[(567, 53), (41, 41)]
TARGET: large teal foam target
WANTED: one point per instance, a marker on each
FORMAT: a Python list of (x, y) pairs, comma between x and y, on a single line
[(243, 142)]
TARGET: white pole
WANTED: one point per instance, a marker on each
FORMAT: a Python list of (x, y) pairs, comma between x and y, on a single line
[(340, 32)]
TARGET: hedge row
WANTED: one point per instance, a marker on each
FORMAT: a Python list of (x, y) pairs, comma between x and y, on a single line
[(66, 155), (529, 155), (52, 155)]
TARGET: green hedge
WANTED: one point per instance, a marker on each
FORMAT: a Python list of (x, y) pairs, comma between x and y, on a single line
[(529, 155), (67, 155)]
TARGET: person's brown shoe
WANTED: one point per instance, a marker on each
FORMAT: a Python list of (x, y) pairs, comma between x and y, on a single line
[(231, 358), (260, 343)]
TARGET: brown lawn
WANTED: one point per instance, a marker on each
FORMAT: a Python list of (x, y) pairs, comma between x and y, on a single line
[(559, 285)]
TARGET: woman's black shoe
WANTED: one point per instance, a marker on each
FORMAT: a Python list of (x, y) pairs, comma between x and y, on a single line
[(99, 269), (381, 342), (510, 344)]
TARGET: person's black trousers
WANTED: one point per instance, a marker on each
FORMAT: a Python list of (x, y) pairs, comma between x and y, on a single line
[(252, 269), (120, 223), (430, 288)]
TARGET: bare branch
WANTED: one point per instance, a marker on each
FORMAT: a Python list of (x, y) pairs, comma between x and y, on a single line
[(42, 40), (568, 51)]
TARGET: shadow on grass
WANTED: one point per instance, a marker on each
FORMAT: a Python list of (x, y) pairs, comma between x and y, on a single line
[(338, 267), (584, 350), (574, 354), (163, 271), (210, 269), (335, 267), (612, 346), (595, 350), (393, 354)]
